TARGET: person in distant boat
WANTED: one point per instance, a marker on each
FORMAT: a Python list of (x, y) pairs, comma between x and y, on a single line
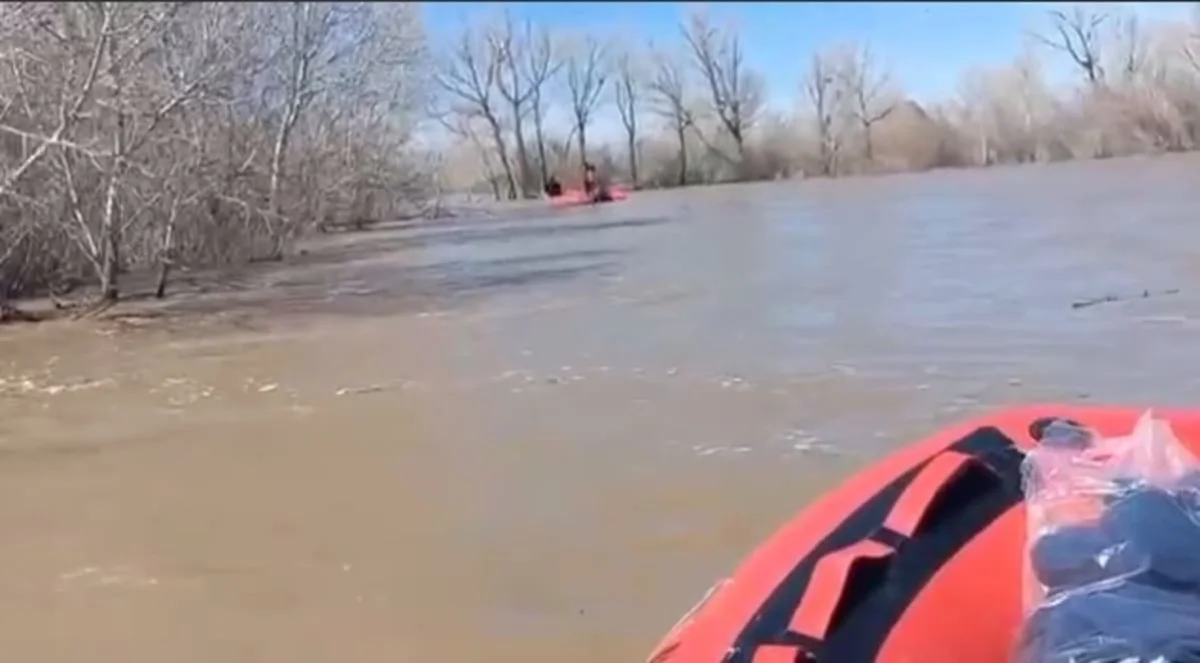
[(554, 188), (595, 189)]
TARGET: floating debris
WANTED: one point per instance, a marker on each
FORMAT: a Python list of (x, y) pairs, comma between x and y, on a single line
[(1146, 294)]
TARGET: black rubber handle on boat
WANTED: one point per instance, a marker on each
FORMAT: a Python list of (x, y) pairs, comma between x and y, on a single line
[(898, 539), (840, 580)]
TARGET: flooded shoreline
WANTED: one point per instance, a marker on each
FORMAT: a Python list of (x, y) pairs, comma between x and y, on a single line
[(542, 437)]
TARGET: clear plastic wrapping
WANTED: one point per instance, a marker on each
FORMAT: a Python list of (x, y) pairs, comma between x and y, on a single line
[(1113, 548)]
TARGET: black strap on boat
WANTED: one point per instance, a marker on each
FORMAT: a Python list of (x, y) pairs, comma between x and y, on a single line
[(828, 607)]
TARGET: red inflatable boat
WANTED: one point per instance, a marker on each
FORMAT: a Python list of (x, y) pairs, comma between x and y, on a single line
[(573, 197), (917, 559)]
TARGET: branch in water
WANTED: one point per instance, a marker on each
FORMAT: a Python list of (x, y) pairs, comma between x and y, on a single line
[(1145, 294)]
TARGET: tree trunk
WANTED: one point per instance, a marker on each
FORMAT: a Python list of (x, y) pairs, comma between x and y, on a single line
[(633, 161), (111, 231), (166, 256), (111, 223), (582, 138), (540, 135), (283, 138), (825, 138), (683, 162), (498, 137), (522, 153)]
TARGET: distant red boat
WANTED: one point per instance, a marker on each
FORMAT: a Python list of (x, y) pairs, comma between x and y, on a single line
[(573, 197)]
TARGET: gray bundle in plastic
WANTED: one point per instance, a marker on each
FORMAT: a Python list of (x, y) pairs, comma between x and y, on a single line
[(1113, 564)]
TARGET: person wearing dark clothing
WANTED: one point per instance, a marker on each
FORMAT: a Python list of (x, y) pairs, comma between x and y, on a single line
[(554, 188), (593, 187)]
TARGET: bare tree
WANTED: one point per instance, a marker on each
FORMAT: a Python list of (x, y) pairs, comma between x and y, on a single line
[(628, 89), (1191, 43), (44, 99), (1190, 54), (823, 88), (586, 77), (136, 101), (1130, 46), (470, 78), (464, 127), (139, 135), (1078, 36), (1027, 90), (736, 94), (668, 89), (67, 114), (510, 47), (1007, 112), (867, 90), (542, 66), (347, 174), (314, 41)]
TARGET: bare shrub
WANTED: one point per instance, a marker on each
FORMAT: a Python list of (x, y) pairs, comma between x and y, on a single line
[(138, 135)]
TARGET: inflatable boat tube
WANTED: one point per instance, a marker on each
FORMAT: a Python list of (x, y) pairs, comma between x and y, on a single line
[(918, 558), (573, 197)]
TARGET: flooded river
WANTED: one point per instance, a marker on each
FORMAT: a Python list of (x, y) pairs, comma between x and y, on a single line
[(540, 437)]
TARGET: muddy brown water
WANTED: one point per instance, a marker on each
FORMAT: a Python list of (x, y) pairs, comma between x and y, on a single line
[(541, 436)]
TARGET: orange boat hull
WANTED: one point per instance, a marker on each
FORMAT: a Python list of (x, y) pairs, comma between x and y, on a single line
[(916, 559), (572, 197)]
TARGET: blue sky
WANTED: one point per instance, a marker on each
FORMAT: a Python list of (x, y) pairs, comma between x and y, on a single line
[(926, 45)]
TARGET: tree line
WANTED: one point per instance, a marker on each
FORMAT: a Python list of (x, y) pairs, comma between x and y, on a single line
[(161, 136), (693, 110)]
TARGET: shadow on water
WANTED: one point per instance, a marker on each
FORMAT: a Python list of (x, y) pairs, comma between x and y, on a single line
[(479, 232), (519, 261), (386, 287), (522, 232), (346, 269), (464, 219)]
